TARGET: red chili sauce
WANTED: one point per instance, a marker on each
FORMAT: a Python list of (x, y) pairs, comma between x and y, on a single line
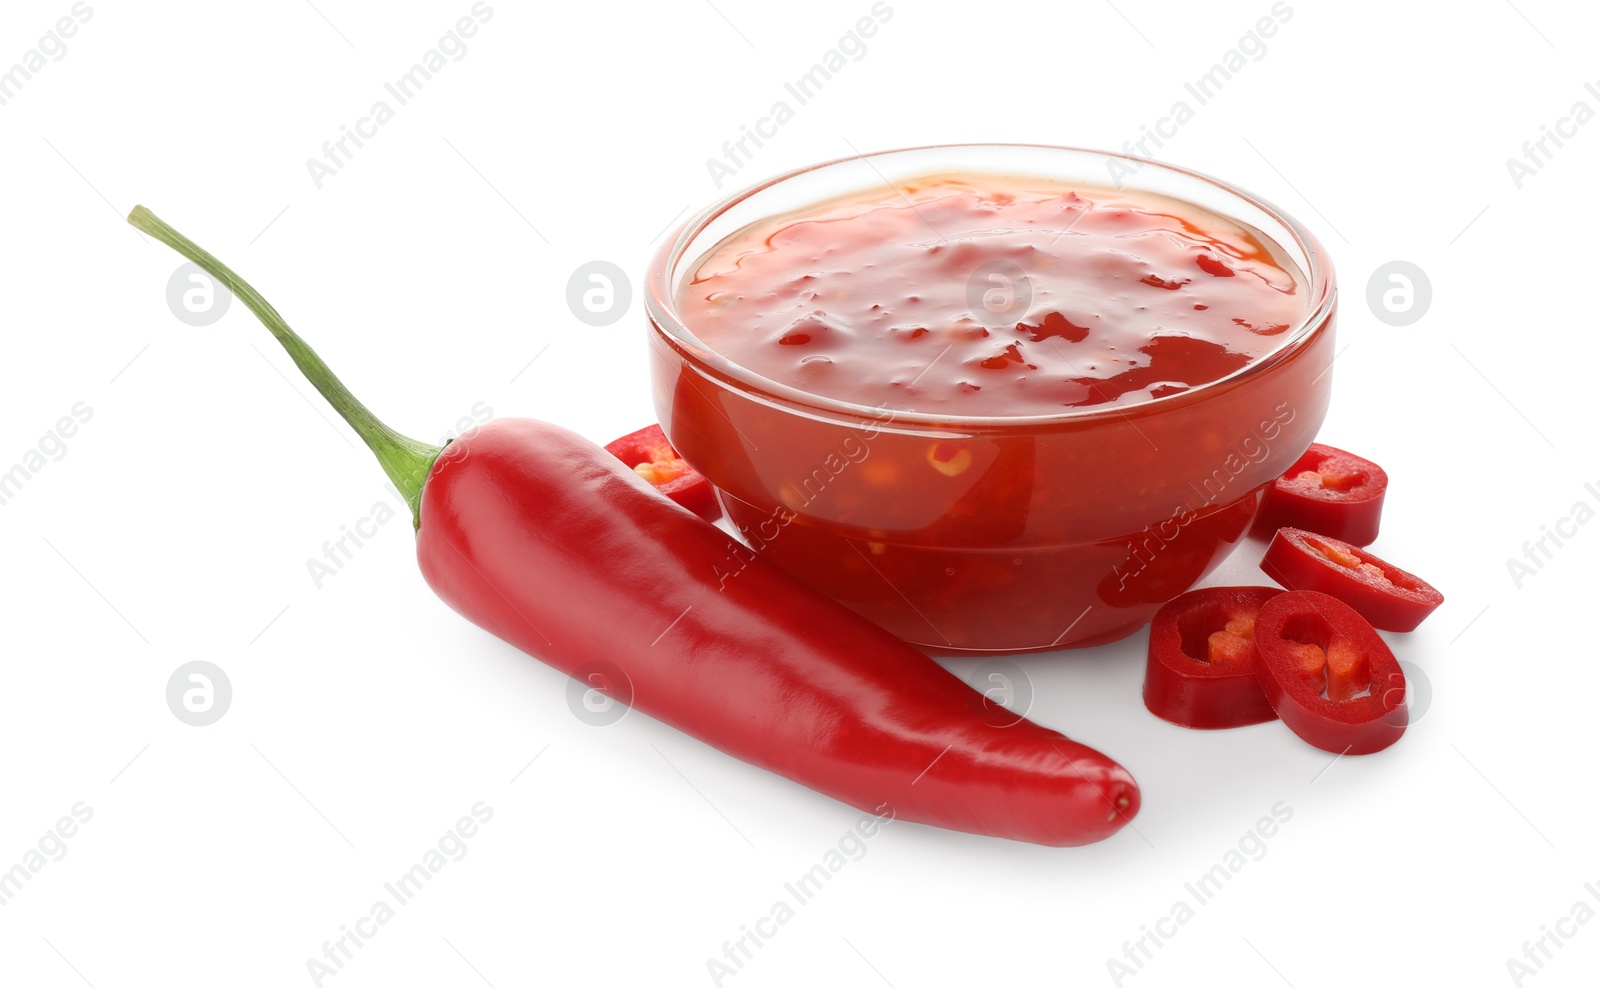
[(945, 296)]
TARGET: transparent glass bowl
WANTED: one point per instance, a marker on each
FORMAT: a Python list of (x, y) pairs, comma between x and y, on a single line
[(1062, 530)]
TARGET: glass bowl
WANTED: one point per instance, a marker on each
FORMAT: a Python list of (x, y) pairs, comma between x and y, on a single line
[(1067, 529)]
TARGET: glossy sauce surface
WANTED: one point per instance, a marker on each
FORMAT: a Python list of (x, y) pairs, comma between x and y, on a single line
[(983, 296)]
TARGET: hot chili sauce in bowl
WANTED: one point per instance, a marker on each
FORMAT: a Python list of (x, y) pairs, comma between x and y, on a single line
[(992, 407)]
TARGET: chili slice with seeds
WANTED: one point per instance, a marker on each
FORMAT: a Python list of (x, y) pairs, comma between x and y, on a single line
[(652, 457), (1386, 595), (1328, 674), (1200, 671), (1328, 491)]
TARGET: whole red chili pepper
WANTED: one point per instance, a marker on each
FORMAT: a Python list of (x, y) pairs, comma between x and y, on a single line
[(533, 533)]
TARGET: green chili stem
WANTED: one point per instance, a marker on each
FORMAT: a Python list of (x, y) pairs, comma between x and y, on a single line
[(406, 461)]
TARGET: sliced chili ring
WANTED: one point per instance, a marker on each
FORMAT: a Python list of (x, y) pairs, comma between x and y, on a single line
[(1327, 491), (652, 457), (1201, 667), (1386, 595), (1328, 674)]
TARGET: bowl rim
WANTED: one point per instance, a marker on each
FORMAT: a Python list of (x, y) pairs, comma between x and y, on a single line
[(661, 306)]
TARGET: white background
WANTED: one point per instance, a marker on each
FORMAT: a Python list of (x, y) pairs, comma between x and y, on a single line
[(367, 717)]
